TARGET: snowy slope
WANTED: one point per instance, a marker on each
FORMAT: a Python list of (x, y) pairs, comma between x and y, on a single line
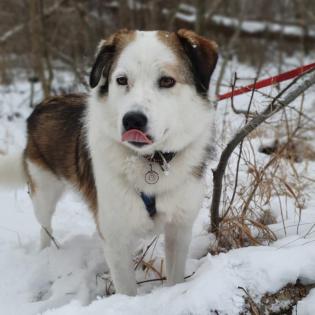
[(73, 279)]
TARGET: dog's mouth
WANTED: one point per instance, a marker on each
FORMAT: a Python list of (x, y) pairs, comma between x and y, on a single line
[(136, 137)]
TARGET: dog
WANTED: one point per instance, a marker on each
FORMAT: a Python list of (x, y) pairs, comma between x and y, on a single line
[(136, 147)]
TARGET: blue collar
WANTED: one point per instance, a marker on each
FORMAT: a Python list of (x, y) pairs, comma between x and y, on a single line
[(149, 202)]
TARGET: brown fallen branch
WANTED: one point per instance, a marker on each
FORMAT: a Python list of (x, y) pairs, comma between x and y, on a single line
[(297, 87), (161, 279)]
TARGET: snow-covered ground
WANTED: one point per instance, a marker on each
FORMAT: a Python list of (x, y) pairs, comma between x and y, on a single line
[(74, 278)]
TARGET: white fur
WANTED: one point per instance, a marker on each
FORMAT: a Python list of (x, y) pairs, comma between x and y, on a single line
[(48, 190), (179, 121)]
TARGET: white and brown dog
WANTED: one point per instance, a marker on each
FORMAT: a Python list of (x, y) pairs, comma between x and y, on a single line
[(136, 147)]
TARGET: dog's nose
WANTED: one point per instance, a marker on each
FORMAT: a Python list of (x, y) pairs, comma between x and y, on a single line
[(135, 120)]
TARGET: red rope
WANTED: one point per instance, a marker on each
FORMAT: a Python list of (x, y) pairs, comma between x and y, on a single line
[(269, 81)]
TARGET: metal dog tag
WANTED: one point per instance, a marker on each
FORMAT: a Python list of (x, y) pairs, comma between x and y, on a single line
[(151, 177)]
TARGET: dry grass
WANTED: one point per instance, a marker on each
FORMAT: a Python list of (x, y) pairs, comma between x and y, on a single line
[(281, 302), (249, 202)]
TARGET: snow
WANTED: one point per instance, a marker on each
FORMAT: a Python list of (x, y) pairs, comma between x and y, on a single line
[(261, 26), (307, 305), (74, 278), (187, 13), (215, 286)]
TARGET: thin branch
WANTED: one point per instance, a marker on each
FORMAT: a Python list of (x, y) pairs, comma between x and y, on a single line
[(151, 280), (51, 237), (161, 279), (283, 99), (253, 305), (247, 113), (241, 148), (145, 252)]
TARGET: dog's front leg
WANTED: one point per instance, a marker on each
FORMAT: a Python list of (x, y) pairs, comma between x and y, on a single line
[(114, 222), (118, 254), (177, 240)]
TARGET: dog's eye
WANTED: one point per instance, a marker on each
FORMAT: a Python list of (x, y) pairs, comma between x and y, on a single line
[(122, 80), (166, 82)]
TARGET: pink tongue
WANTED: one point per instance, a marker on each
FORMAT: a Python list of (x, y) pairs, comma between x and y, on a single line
[(135, 135)]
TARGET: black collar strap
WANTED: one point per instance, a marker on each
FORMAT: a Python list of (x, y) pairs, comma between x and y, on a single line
[(160, 157), (149, 202)]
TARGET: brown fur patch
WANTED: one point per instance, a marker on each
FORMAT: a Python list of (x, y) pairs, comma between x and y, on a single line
[(107, 56), (181, 70), (57, 143), (197, 56)]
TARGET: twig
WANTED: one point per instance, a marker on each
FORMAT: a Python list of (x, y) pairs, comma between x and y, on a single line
[(283, 99), (152, 280), (241, 148), (253, 305), (262, 172), (246, 112), (145, 252), (281, 210), (161, 279), (51, 237)]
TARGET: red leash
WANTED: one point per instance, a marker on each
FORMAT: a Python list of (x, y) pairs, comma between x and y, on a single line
[(269, 81)]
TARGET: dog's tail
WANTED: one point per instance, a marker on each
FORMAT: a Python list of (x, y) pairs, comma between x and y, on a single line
[(12, 172)]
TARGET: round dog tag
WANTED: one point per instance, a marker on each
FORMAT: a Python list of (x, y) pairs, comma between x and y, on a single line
[(151, 177)]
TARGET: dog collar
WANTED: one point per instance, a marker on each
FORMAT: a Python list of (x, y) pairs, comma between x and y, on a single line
[(149, 202), (161, 158)]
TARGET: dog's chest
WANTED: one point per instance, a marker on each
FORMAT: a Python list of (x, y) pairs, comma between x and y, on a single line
[(149, 177), (155, 190)]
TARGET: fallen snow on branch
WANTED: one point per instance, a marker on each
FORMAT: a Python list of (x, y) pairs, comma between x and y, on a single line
[(261, 26), (187, 13)]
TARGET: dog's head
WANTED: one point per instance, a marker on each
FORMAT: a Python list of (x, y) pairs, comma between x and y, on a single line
[(151, 88)]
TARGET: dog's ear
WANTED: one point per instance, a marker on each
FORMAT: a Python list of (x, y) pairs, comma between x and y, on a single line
[(104, 59), (106, 52), (203, 56)]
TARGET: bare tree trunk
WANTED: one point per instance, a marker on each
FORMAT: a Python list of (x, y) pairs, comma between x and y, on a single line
[(20, 27), (200, 19), (45, 49), (124, 14), (154, 16), (38, 52), (226, 55)]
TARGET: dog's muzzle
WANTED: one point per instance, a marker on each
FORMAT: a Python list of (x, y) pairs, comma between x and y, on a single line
[(135, 120), (135, 126)]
